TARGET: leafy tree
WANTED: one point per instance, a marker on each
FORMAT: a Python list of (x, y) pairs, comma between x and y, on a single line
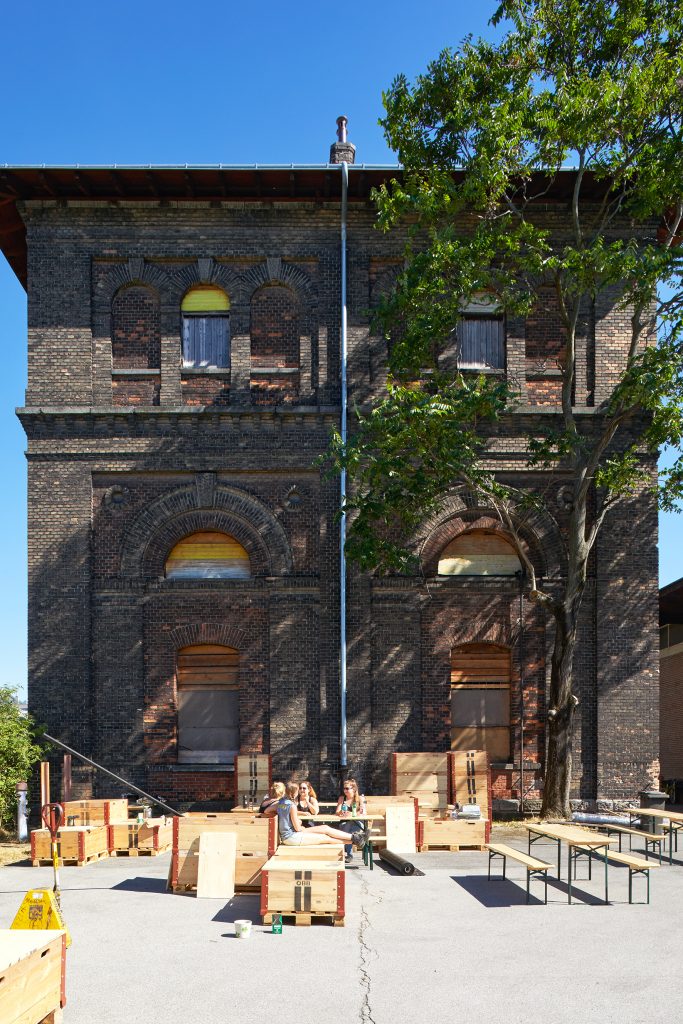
[(483, 136), (18, 753)]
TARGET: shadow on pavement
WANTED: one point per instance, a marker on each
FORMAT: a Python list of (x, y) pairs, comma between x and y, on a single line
[(507, 892), (240, 907), (141, 884)]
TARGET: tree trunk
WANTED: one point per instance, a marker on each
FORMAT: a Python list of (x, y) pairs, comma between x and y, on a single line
[(561, 708)]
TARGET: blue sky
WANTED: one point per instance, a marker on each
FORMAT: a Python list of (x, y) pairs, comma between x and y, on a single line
[(152, 82)]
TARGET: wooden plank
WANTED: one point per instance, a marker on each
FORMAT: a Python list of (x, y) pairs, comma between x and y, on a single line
[(216, 867), (44, 783), (298, 887), (400, 829)]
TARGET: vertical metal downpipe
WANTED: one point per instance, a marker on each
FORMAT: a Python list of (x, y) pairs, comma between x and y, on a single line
[(342, 483)]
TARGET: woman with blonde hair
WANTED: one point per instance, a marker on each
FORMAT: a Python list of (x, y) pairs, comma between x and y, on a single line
[(292, 832), (277, 791)]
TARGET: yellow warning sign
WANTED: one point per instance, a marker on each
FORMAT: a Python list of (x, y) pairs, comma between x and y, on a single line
[(39, 909)]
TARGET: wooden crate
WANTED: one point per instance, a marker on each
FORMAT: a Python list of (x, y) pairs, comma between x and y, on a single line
[(424, 775), (253, 776), (452, 834), (471, 779), (256, 843), (95, 812), (304, 891), (32, 976), (132, 839), (184, 871), (318, 853), (78, 844)]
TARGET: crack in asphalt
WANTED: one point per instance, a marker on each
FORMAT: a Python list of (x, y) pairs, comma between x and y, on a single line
[(367, 953)]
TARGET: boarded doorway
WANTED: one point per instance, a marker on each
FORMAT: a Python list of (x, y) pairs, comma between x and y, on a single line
[(480, 699)]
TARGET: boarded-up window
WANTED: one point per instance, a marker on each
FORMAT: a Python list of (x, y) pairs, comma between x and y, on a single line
[(479, 553), (206, 328), (136, 329), (208, 704), (480, 699), (274, 327), (481, 343), (208, 555)]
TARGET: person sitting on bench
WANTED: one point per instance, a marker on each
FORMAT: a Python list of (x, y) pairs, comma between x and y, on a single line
[(307, 802), (277, 791), (292, 832), (349, 804)]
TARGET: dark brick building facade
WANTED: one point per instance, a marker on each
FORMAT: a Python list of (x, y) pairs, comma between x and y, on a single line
[(132, 450)]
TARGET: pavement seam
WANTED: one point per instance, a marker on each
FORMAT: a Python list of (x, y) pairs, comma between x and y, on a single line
[(366, 954)]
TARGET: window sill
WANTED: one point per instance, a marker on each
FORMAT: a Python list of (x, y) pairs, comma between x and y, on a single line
[(273, 371), (487, 371), (206, 371), (135, 371)]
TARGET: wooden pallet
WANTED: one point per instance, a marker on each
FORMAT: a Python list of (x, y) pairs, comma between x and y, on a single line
[(140, 852), (451, 849), (336, 920), (70, 862)]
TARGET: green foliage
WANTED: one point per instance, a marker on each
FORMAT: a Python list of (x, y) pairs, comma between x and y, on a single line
[(18, 753), (483, 135)]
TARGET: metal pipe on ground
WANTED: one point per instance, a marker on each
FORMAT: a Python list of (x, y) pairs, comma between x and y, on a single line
[(403, 866), (136, 789)]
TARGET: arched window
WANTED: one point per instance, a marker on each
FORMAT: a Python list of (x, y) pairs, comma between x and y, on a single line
[(206, 327), (208, 704), (480, 699), (479, 553), (208, 555)]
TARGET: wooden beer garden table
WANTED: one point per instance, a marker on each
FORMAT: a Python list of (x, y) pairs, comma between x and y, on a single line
[(675, 821), (573, 836)]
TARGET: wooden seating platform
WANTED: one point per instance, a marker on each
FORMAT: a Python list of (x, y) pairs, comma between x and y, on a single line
[(532, 864)]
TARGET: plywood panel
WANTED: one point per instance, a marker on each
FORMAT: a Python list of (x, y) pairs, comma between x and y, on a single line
[(216, 867), (400, 829)]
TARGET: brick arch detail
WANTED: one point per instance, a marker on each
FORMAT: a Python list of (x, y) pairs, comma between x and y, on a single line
[(175, 515), (135, 271), (276, 271), (208, 633), (463, 511), (207, 271)]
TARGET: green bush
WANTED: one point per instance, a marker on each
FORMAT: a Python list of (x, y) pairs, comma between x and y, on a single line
[(18, 753)]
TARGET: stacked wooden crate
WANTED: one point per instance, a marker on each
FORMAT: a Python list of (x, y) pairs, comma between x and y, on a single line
[(256, 842), (95, 812), (253, 777), (469, 783), (76, 845), (32, 976), (303, 891), (133, 838), (422, 775)]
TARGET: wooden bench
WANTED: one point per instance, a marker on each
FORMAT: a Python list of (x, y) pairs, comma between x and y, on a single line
[(532, 865), (635, 865), (650, 839)]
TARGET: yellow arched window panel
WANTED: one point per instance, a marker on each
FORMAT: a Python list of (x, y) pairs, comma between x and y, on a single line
[(205, 298), (208, 555), (479, 553)]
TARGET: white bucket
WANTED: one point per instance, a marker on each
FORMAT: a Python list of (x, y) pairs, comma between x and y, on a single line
[(242, 929)]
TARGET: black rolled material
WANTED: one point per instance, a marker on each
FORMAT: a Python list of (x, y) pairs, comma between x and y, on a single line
[(397, 861)]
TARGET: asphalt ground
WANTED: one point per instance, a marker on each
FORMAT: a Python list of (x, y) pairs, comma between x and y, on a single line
[(446, 946)]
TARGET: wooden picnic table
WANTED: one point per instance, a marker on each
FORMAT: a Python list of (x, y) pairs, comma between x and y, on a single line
[(573, 836), (675, 821)]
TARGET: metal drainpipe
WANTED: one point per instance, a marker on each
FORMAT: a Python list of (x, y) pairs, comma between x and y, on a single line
[(521, 576), (342, 482)]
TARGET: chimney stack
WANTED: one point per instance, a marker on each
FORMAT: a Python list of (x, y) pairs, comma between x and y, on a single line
[(342, 150)]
